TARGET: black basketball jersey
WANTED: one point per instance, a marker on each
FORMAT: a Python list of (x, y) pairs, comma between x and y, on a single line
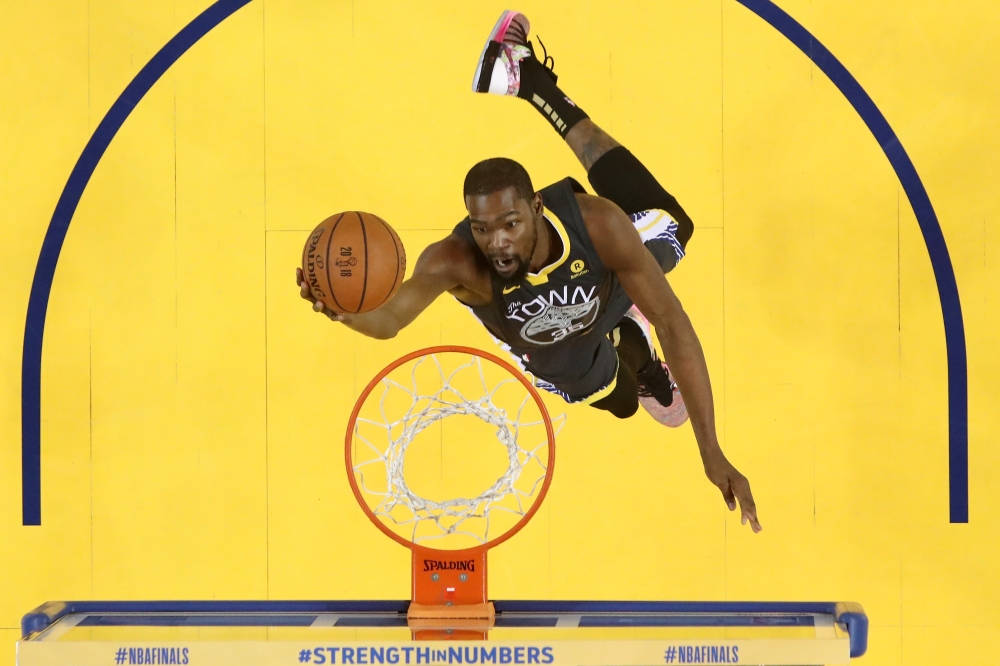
[(547, 316)]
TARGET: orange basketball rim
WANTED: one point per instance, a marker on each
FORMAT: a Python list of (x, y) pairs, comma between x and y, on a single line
[(450, 584)]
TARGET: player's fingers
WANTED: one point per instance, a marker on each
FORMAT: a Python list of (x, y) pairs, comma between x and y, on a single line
[(748, 507), (727, 495), (750, 516), (298, 276), (319, 307), (746, 502)]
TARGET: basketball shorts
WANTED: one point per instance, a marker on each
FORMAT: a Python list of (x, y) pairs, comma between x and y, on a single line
[(587, 371)]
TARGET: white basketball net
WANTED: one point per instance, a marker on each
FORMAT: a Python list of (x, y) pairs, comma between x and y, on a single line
[(400, 505)]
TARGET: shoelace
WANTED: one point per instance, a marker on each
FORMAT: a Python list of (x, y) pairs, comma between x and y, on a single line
[(654, 382), (545, 57)]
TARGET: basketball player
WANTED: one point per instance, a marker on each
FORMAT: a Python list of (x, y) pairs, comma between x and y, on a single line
[(554, 274)]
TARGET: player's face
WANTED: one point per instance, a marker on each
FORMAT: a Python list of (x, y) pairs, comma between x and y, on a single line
[(505, 227)]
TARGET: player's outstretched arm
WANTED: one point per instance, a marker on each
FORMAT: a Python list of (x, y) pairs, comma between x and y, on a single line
[(439, 269), (622, 251)]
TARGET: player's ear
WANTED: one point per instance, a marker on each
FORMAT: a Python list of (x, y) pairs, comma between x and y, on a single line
[(537, 204)]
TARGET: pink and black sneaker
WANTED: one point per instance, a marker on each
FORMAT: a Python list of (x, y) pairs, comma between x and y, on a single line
[(498, 70), (658, 392)]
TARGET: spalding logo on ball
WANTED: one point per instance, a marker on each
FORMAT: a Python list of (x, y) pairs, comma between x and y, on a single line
[(354, 262)]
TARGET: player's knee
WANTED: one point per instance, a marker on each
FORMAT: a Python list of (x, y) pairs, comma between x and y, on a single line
[(619, 407), (685, 226), (627, 411)]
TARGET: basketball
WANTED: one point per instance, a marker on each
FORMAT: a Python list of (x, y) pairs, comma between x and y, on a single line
[(354, 262)]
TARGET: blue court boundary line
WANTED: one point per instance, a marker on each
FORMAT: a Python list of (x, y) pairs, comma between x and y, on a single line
[(944, 273), (41, 287), (851, 615)]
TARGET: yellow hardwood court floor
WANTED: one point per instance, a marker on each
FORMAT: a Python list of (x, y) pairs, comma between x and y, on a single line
[(193, 407)]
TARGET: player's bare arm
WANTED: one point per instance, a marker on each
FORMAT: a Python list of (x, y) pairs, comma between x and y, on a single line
[(449, 265), (621, 249)]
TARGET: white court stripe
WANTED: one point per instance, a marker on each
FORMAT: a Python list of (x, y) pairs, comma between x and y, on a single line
[(56, 631), (824, 626), (568, 621), (325, 620)]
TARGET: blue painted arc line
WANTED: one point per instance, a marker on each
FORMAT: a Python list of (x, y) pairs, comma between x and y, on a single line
[(41, 286), (211, 17), (944, 273)]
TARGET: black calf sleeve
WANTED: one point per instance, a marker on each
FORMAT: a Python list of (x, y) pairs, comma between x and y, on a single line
[(620, 177)]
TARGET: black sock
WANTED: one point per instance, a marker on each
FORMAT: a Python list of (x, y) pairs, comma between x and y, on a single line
[(538, 86)]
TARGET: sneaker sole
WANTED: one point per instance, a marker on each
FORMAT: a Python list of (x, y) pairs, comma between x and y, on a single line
[(673, 417), (496, 37)]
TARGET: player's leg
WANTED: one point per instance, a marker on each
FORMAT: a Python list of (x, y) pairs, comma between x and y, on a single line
[(657, 391), (589, 142), (633, 355), (623, 401), (634, 377), (508, 66)]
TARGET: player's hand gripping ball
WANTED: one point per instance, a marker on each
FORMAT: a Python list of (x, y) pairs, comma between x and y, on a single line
[(353, 262)]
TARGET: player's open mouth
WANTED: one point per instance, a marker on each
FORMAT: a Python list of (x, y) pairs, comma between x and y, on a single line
[(504, 265)]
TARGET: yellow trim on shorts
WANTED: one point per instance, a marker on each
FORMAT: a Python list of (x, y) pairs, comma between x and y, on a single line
[(655, 220), (606, 391), (603, 393)]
